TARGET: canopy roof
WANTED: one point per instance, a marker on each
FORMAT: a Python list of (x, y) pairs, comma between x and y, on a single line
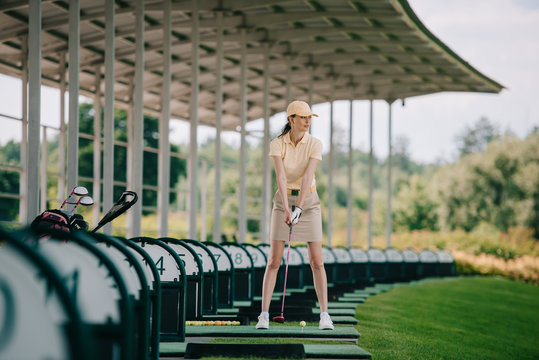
[(367, 49)]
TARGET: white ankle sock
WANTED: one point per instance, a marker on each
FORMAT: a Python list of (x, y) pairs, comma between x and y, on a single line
[(322, 314), (264, 313)]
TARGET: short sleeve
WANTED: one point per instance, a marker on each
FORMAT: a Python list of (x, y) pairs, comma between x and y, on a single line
[(316, 150), (276, 146)]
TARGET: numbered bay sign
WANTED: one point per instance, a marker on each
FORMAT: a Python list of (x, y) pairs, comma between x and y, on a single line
[(360, 260), (410, 256), (257, 255), (446, 263), (330, 263), (243, 269), (395, 265), (137, 286), (259, 262), (171, 272), (98, 289), (428, 256), (343, 255), (429, 263), (165, 259), (344, 265), (394, 256), (359, 256), (154, 285), (265, 248), (411, 264), (226, 277), (376, 256), (328, 256), (445, 257), (295, 269), (193, 272), (378, 265), (38, 320), (210, 275), (307, 272)]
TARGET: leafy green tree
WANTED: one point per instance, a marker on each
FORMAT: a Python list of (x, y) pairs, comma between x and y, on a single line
[(150, 161), (415, 208), (475, 139), (499, 187), (9, 180)]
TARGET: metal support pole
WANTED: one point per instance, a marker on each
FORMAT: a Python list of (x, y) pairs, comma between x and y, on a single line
[(311, 91), (370, 176), (23, 182), (108, 115), (203, 200), (389, 218), (138, 122), (96, 192), (62, 135), (43, 169), (242, 213), (193, 148), (350, 197), (34, 109), (74, 68), (266, 167), (331, 167), (218, 129), (164, 142), (288, 80)]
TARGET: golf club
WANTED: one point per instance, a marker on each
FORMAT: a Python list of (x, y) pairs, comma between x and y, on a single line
[(280, 318), (85, 201), (78, 191), (128, 199)]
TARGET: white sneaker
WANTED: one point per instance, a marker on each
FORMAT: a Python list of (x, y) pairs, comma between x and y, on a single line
[(325, 323), (263, 322)]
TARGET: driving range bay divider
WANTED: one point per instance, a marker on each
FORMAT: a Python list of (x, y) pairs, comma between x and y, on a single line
[(113, 298)]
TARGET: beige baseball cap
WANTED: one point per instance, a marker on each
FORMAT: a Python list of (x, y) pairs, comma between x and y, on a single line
[(300, 108)]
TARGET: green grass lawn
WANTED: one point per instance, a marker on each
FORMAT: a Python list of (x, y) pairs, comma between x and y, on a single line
[(461, 318), (454, 318)]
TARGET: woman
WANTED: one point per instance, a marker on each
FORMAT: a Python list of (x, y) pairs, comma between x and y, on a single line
[(295, 155)]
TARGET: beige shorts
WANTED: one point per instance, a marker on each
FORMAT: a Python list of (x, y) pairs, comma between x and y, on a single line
[(309, 227)]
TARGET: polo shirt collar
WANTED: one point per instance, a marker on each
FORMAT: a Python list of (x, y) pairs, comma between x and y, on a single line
[(286, 138)]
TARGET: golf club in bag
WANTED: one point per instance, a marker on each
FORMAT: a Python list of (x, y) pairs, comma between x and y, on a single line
[(128, 199), (280, 318)]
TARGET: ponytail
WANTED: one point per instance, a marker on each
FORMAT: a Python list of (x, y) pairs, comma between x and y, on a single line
[(286, 127)]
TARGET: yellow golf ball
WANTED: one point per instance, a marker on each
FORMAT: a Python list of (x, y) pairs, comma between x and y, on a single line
[(302, 323)]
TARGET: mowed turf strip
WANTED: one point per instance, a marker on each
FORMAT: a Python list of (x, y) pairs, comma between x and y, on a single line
[(456, 318)]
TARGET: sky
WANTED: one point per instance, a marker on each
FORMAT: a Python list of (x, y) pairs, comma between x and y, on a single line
[(497, 37)]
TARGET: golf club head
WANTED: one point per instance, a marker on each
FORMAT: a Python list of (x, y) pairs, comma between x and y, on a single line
[(279, 319), (128, 199), (80, 191), (86, 201)]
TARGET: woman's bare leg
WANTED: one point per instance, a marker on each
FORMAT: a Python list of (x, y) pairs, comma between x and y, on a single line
[(319, 274), (272, 268)]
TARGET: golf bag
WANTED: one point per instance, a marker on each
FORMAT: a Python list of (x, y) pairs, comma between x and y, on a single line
[(59, 220)]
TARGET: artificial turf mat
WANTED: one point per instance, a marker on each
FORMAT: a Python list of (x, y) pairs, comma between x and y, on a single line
[(351, 300), (344, 332), (348, 320), (228, 311), (337, 312), (294, 351), (335, 352), (340, 305)]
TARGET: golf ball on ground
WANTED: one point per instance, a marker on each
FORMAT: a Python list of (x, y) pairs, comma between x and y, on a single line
[(302, 323)]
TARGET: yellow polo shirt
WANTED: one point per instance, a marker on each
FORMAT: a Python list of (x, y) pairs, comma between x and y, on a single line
[(296, 157)]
